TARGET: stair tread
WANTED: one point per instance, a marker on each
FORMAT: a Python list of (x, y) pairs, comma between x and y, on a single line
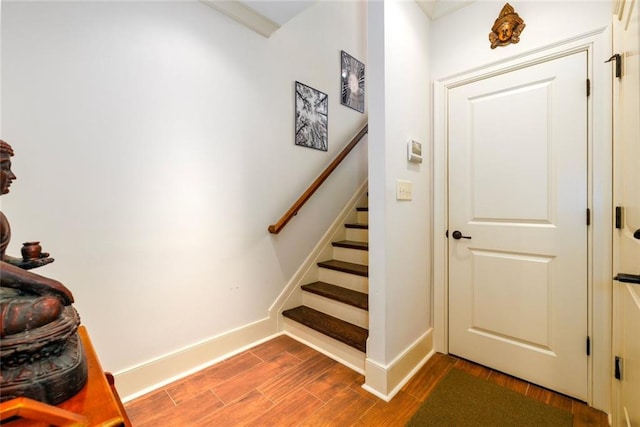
[(346, 267), (338, 293), (357, 225), (352, 244), (333, 327)]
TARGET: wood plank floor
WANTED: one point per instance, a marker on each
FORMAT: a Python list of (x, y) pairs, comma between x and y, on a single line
[(285, 383)]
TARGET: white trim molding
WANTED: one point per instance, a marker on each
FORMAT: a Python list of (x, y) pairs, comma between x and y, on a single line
[(156, 373), (386, 381), (244, 15)]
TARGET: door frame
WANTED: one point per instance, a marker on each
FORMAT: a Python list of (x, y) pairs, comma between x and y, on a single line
[(597, 44), (622, 292)]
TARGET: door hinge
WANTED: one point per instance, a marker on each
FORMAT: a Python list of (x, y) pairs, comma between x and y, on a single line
[(618, 60), (588, 346), (618, 368), (588, 87), (619, 213), (588, 216)]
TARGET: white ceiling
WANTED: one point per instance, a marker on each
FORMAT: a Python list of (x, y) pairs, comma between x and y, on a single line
[(266, 16), (438, 8)]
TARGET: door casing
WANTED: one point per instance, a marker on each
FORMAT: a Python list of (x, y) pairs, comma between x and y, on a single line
[(597, 45), (626, 249)]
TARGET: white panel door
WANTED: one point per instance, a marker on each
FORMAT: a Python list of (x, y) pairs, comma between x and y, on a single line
[(626, 309), (518, 188)]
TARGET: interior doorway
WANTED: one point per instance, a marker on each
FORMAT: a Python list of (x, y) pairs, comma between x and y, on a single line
[(598, 181)]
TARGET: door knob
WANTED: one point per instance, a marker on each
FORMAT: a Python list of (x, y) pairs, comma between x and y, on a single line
[(458, 235), (636, 234)]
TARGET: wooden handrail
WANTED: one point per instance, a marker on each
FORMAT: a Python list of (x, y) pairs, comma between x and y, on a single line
[(293, 210)]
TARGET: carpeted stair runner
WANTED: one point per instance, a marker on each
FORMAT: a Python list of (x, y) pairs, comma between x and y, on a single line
[(333, 327)]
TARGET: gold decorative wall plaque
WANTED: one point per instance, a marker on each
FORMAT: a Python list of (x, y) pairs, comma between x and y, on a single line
[(507, 27)]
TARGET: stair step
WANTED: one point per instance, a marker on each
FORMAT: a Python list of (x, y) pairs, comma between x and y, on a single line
[(338, 293), (364, 246), (358, 226), (345, 267), (330, 326)]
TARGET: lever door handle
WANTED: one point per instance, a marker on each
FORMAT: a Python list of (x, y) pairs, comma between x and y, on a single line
[(628, 278), (458, 235)]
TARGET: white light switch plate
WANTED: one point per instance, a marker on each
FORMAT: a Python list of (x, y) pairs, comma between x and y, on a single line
[(404, 190)]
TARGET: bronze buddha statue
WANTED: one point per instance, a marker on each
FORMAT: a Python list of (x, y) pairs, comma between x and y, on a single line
[(41, 356)]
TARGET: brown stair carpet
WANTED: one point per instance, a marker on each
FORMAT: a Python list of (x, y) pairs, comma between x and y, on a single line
[(333, 327), (346, 267), (357, 225), (350, 244), (338, 293)]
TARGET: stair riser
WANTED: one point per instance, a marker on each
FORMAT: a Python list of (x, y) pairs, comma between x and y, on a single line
[(363, 217), (358, 234), (346, 280), (338, 351), (351, 255), (337, 309)]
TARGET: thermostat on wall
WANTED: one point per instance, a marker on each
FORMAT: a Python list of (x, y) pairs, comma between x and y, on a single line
[(414, 151)]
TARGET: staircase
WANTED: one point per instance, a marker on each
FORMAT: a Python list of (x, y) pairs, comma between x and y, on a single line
[(334, 315)]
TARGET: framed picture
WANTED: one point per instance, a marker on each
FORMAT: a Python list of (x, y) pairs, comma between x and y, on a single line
[(414, 151), (312, 117), (352, 78)]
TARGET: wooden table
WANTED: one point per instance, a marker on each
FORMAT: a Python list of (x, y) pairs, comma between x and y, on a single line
[(97, 404)]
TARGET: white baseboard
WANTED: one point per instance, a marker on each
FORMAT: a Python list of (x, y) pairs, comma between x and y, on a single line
[(386, 381), (149, 376)]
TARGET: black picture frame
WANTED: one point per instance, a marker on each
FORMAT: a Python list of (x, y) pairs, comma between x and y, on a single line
[(312, 117), (352, 82)]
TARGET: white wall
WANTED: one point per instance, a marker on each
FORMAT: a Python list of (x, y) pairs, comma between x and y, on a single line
[(400, 235), (460, 41), (154, 145)]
